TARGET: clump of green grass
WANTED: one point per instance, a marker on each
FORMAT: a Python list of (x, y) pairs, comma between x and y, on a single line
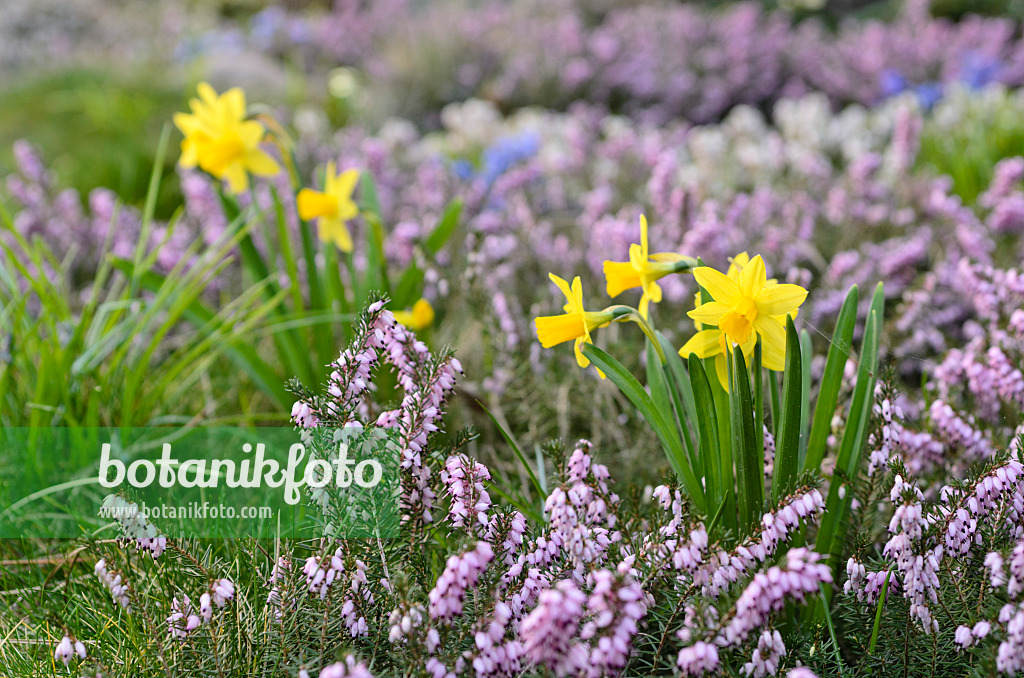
[(968, 133), (96, 128)]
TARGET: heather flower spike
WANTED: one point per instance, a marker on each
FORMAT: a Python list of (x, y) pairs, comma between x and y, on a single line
[(220, 140), (644, 270), (333, 207)]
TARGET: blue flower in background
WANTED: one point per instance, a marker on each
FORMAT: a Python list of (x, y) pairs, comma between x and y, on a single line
[(978, 70), (928, 94), (499, 158), (892, 83), (506, 152), (463, 169)]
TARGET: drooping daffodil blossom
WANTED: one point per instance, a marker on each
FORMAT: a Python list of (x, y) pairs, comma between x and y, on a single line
[(420, 317), (643, 270), (220, 140), (745, 308), (333, 207), (576, 323)]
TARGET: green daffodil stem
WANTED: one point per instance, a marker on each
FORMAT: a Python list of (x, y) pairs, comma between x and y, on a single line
[(623, 314)]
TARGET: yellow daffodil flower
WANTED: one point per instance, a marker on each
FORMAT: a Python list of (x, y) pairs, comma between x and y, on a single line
[(332, 207), (420, 317), (644, 270), (749, 306), (576, 324), (221, 141)]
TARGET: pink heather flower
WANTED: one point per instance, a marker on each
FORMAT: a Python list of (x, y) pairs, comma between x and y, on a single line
[(460, 574), (768, 591), (549, 632), (615, 607), (801, 672), (698, 659), (346, 669), (464, 479), (723, 568), (963, 637), (183, 618), (66, 650), (492, 654), (766, 658), (321, 573), (769, 452), (996, 574), (114, 583), (223, 590), (427, 382)]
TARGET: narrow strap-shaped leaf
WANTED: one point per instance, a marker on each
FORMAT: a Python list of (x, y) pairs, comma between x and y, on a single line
[(806, 355), (409, 285), (707, 434), (515, 450), (776, 403), (445, 227), (663, 392), (787, 444), (831, 380), (878, 612), (376, 265), (831, 534), (682, 395), (667, 433), (749, 475), (242, 355), (756, 365)]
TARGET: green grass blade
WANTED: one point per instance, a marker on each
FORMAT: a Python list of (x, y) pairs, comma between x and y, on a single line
[(878, 613), (787, 444), (446, 226), (831, 534), (667, 433), (518, 452), (806, 355), (831, 380), (749, 470), (710, 449)]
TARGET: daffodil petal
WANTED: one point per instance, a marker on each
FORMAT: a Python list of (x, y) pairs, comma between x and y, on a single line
[(736, 265), (773, 342), (581, 359), (780, 299), (577, 294), (643, 238), (621, 276), (261, 164), (704, 344), (709, 313), (562, 285), (717, 284), (347, 181), (722, 370), (753, 277)]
